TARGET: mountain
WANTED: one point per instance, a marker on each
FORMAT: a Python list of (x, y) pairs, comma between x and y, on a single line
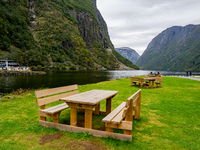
[(67, 33), (128, 53), (176, 48)]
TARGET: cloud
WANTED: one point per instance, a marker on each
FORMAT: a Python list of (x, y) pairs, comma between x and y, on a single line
[(134, 23)]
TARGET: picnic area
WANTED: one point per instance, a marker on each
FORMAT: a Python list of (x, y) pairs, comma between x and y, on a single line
[(169, 118), (147, 81)]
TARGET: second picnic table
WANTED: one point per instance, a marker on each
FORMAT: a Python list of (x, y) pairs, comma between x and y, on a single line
[(87, 101), (151, 81)]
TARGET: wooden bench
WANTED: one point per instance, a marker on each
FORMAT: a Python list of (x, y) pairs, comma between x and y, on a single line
[(158, 81), (135, 80), (124, 110), (53, 112)]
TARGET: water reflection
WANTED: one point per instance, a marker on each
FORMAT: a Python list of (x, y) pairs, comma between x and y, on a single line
[(63, 78)]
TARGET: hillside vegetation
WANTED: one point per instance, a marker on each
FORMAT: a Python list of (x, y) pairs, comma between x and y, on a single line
[(54, 32), (176, 48)]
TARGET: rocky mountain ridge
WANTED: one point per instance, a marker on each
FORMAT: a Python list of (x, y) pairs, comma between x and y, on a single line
[(128, 53), (176, 48), (67, 33)]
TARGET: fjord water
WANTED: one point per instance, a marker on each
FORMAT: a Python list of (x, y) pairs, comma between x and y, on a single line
[(63, 78)]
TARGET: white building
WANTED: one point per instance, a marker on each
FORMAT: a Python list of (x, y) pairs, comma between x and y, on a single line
[(8, 64)]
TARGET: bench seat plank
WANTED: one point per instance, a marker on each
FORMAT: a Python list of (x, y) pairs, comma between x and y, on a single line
[(114, 113), (55, 109), (118, 118)]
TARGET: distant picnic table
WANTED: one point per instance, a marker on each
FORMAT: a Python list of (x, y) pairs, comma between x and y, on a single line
[(148, 82)]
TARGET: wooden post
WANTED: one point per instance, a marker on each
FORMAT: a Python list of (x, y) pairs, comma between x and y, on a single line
[(42, 118), (56, 118), (137, 107), (131, 81), (97, 109), (88, 118), (73, 116), (108, 129), (108, 105), (129, 117), (152, 83)]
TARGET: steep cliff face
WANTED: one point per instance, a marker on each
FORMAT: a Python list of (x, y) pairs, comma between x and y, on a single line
[(176, 48), (70, 33), (89, 29), (102, 23), (128, 53)]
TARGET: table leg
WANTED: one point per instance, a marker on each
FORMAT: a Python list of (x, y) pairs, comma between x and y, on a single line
[(149, 83), (108, 105), (97, 109), (73, 116), (152, 83), (88, 119)]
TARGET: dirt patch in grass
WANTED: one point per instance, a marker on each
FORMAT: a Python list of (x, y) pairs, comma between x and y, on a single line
[(49, 138), (85, 145), (71, 144)]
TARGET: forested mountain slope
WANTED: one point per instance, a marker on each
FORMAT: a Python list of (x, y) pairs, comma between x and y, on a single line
[(64, 32), (177, 48)]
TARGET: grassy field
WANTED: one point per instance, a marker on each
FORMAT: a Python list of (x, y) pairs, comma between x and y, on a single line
[(169, 119)]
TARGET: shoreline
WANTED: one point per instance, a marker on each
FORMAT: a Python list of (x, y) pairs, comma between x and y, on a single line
[(12, 72)]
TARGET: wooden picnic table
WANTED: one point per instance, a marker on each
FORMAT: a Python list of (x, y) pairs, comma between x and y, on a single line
[(151, 81), (87, 101)]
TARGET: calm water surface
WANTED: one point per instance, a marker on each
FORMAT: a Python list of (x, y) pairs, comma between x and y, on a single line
[(63, 78)]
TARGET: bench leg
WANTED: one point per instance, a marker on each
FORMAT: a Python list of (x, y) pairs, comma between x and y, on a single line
[(73, 116), (137, 107), (128, 132), (109, 129), (56, 118), (129, 117), (42, 118)]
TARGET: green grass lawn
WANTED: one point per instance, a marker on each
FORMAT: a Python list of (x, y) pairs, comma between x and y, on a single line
[(170, 119)]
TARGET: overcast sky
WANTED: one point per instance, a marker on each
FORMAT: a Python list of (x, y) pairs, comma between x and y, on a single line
[(134, 23)]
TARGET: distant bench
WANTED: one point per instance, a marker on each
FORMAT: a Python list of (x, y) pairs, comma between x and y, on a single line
[(158, 81), (136, 81), (53, 112), (124, 110)]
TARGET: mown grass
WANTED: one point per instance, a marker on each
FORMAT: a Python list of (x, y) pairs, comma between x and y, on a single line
[(169, 119)]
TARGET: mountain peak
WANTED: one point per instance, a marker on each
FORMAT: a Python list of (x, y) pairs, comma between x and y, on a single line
[(128, 53)]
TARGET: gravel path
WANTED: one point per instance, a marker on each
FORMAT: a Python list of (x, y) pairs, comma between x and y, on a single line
[(192, 78)]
